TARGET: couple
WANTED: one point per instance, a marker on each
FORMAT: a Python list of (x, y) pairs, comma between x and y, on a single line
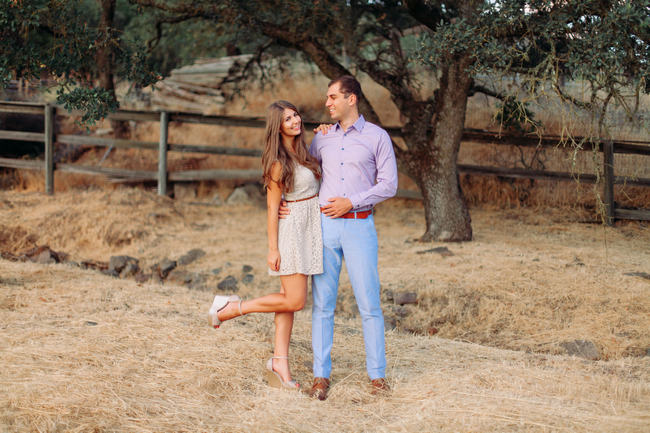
[(311, 231)]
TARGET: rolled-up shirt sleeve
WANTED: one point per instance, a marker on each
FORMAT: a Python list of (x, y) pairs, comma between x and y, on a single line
[(386, 177)]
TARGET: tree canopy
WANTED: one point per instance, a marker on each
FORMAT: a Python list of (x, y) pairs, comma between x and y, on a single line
[(456, 48)]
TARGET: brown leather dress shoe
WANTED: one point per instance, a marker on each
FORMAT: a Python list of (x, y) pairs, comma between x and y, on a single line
[(379, 386), (319, 388)]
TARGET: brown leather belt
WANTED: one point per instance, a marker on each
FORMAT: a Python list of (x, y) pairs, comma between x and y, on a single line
[(361, 215), (301, 199)]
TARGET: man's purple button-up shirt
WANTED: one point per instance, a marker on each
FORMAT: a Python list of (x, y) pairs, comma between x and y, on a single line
[(358, 164)]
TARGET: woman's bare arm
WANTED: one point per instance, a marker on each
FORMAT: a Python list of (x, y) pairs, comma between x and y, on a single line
[(273, 198)]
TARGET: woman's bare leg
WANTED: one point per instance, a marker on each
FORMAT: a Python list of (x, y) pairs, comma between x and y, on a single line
[(292, 297)]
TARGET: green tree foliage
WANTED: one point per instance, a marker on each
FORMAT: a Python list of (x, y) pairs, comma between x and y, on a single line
[(63, 38)]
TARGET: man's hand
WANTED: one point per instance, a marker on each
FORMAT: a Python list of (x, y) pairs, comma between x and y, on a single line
[(283, 210), (323, 128), (337, 207)]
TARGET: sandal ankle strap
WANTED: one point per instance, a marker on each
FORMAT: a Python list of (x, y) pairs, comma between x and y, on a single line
[(279, 357)]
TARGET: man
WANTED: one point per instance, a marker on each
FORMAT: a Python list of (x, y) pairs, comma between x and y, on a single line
[(359, 171)]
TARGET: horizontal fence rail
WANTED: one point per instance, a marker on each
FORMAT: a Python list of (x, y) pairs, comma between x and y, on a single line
[(163, 176)]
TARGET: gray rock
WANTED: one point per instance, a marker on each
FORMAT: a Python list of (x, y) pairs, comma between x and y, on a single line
[(118, 263), (390, 323), (389, 295), (190, 256), (250, 194), (179, 276), (638, 274), (405, 298), (581, 348), (42, 254), (228, 284), (91, 323), (45, 257), (246, 269), (165, 267), (400, 311), (110, 272), (216, 271), (443, 251), (129, 270), (248, 278), (141, 277)]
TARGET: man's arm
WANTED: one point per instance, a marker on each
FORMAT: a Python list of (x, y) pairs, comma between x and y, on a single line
[(386, 186)]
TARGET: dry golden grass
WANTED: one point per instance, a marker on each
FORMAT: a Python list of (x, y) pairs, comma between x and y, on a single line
[(86, 352)]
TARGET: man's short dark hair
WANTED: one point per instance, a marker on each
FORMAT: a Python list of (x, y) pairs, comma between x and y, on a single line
[(349, 85)]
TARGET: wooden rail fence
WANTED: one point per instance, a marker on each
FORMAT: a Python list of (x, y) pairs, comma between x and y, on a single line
[(163, 176)]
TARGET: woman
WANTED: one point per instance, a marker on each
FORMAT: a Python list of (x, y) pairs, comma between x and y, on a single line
[(295, 242)]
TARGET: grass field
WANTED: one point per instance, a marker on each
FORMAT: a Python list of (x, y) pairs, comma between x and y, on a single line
[(82, 351)]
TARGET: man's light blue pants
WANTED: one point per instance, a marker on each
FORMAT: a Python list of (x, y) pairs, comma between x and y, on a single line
[(356, 241)]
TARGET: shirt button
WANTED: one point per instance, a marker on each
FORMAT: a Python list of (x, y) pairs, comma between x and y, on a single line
[(341, 163), (342, 179), (343, 148)]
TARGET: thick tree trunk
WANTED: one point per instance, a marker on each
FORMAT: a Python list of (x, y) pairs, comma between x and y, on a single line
[(431, 159)]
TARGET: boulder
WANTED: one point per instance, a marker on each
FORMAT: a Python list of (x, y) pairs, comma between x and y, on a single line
[(163, 268), (118, 263), (443, 251), (44, 254), (247, 278), (129, 270), (190, 256), (581, 348), (249, 194), (228, 284), (402, 298)]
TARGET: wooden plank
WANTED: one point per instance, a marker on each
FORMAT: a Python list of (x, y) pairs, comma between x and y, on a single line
[(219, 174), (21, 109), (638, 181), (21, 163), (49, 149), (162, 153), (22, 136), (107, 171), (632, 214), (23, 104), (520, 173), (85, 140), (216, 150), (241, 121)]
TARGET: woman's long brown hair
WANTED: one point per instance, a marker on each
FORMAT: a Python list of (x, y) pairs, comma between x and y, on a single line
[(275, 151)]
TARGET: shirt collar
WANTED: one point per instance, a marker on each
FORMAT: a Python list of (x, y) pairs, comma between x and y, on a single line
[(358, 125)]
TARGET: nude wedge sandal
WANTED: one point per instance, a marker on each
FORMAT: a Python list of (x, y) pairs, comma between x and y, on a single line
[(275, 380), (219, 304)]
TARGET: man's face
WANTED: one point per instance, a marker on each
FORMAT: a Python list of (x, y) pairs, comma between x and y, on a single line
[(337, 104)]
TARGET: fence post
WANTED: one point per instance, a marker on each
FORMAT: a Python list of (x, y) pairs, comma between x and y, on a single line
[(608, 171), (162, 153), (49, 151)]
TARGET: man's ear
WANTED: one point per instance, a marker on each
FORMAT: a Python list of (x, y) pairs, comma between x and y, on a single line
[(352, 99)]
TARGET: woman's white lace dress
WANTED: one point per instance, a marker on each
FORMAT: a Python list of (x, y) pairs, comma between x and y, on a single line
[(300, 240)]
